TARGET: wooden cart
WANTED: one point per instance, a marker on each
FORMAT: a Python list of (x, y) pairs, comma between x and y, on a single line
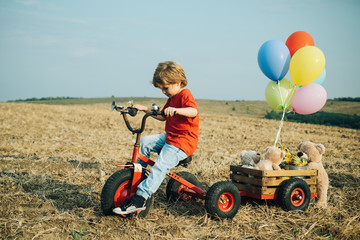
[(292, 188)]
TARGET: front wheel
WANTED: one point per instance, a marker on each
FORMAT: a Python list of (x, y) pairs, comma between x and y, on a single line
[(294, 194), (117, 189), (223, 200)]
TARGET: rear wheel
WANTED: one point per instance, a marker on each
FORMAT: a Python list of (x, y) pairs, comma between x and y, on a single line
[(174, 189), (294, 194), (117, 189), (223, 200)]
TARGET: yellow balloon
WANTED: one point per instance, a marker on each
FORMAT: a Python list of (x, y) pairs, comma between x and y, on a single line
[(306, 65)]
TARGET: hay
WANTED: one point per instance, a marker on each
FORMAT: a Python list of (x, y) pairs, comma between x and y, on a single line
[(55, 160)]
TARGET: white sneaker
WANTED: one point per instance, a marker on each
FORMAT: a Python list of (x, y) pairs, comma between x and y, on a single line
[(135, 204)]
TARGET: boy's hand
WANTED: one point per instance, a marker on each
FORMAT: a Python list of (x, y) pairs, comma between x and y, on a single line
[(170, 111), (186, 112), (141, 107)]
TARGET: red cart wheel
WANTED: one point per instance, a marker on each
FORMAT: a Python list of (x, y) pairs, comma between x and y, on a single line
[(294, 194), (226, 202), (223, 200), (297, 197)]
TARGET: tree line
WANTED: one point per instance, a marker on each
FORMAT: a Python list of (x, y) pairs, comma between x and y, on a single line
[(322, 118), (348, 99), (42, 99)]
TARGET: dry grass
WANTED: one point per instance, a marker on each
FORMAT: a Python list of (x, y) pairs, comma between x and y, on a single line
[(55, 160)]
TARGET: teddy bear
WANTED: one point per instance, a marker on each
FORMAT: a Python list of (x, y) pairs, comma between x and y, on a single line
[(249, 159), (313, 152), (272, 159)]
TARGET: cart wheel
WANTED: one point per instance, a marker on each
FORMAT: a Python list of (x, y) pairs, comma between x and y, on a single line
[(174, 188), (117, 189), (294, 194), (223, 200)]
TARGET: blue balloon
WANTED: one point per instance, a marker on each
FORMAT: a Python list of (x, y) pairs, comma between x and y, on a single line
[(321, 78), (274, 59)]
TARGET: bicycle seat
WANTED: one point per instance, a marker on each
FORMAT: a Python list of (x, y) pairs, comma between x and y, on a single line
[(185, 161)]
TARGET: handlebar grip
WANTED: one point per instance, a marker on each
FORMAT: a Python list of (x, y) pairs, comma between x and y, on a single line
[(132, 111)]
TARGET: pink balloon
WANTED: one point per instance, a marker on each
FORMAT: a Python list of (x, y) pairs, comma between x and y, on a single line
[(309, 99)]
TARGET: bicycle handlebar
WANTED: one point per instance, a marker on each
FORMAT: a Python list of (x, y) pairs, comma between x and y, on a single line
[(132, 112)]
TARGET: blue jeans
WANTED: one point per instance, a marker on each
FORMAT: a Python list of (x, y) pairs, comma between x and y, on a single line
[(169, 157)]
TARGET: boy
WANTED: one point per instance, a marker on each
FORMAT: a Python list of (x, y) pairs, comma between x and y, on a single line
[(181, 133)]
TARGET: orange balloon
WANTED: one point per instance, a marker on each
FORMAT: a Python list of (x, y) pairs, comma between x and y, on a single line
[(298, 40)]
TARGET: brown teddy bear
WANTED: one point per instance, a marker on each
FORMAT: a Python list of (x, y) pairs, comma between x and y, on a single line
[(313, 152), (272, 159), (249, 159)]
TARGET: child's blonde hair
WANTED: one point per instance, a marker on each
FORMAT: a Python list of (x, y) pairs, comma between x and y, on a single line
[(169, 72)]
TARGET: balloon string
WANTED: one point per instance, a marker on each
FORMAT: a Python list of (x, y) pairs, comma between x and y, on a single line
[(282, 100), (285, 106), (281, 124)]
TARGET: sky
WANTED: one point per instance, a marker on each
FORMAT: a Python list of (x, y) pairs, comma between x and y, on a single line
[(93, 48)]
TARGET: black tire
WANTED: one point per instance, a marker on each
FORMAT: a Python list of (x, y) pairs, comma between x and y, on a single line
[(173, 188), (117, 189), (223, 200), (294, 194)]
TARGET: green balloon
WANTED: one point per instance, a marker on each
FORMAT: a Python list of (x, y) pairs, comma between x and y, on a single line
[(279, 94)]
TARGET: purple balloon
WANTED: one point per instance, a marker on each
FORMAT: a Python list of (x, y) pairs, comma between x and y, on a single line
[(309, 99)]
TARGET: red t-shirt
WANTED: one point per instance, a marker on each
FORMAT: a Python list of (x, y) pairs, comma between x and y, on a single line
[(182, 132)]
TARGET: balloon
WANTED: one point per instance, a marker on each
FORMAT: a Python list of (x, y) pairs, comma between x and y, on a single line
[(298, 40), (274, 59), (309, 99), (321, 79), (279, 94), (306, 65)]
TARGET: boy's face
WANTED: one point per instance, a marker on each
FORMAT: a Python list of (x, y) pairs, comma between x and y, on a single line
[(171, 90)]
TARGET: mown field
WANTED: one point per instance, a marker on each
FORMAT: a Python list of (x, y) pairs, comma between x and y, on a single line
[(54, 160)]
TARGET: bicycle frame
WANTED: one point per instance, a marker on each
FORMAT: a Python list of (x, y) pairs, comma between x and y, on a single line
[(186, 187)]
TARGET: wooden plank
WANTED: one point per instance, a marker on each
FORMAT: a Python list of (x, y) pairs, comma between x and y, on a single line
[(274, 182), (253, 172), (246, 179), (290, 173), (267, 181), (272, 173), (255, 190), (248, 188), (268, 191)]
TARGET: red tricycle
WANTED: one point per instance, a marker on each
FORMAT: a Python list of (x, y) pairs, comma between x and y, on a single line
[(221, 200), (292, 188)]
